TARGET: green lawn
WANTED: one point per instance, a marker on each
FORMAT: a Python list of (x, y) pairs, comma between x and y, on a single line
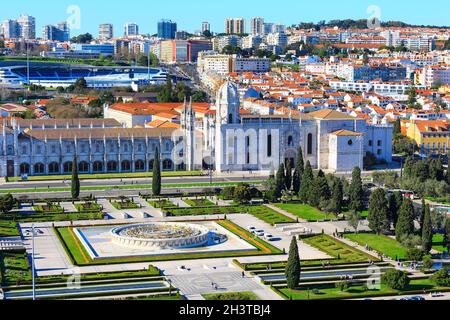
[(305, 212), (46, 209), (126, 204), (268, 215), (109, 176), (8, 228), (438, 243), (380, 243), (232, 296), (338, 249), (199, 202), (358, 291), (88, 207), (161, 204)]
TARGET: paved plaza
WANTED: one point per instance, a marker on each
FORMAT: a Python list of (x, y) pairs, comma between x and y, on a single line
[(204, 283)]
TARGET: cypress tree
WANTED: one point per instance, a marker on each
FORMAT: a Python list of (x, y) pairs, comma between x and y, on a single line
[(405, 223), (422, 215), (323, 187), (447, 234), (395, 202), (293, 268), (356, 191), (378, 211), (288, 176), (337, 198), (314, 193), (280, 180), (75, 181), (307, 180), (156, 180), (427, 230), (408, 167), (298, 172)]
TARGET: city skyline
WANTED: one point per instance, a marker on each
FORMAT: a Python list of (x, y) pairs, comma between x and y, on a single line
[(417, 12)]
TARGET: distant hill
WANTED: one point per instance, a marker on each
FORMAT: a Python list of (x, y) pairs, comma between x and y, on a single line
[(357, 24)]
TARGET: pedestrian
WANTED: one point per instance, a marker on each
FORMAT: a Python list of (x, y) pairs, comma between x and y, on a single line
[(243, 274)]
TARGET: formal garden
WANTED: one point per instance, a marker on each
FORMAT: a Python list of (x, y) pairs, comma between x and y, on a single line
[(80, 257), (232, 296), (124, 203), (263, 213)]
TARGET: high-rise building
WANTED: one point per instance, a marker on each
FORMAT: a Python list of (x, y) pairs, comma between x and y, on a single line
[(278, 28), (106, 31), (235, 26), (268, 27), (10, 29), (27, 26), (64, 30), (257, 26), (131, 29), (167, 29), (60, 32), (206, 26)]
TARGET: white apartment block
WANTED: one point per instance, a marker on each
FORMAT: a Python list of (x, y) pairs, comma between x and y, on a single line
[(251, 64), (437, 75)]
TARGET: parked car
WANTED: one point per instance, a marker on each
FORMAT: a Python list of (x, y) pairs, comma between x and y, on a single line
[(417, 298), (269, 237), (259, 233), (251, 228)]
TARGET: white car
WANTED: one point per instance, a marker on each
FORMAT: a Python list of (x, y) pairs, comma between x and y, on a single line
[(260, 233), (251, 228), (268, 237)]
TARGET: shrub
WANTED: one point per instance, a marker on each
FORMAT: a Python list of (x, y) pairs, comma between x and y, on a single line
[(342, 285), (427, 262), (441, 278), (395, 279), (414, 254)]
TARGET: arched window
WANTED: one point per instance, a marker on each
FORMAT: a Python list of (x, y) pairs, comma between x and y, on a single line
[(310, 144), (112, 166), (167, 164), (97, 166), (53, 167), (150, 164), (39, 168), (126, 165), (139, 165), (83, 166), (125, 147), (67, 167), (24, 168)]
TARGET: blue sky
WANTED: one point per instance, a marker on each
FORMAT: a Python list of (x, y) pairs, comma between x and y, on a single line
[(190, 13)]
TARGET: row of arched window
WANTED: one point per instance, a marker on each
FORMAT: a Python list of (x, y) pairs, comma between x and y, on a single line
[(97, 166)]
